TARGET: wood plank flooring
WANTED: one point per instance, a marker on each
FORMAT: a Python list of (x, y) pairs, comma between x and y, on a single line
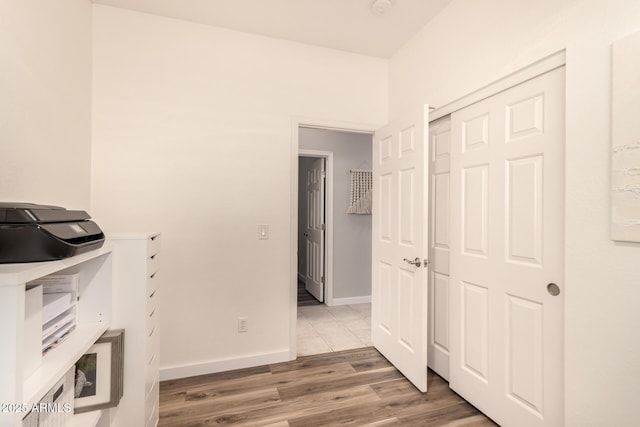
[(304, 297), (348, 388)]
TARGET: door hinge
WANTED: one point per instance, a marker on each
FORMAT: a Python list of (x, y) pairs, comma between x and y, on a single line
[(322, 279), (323, 227), (324, 174)]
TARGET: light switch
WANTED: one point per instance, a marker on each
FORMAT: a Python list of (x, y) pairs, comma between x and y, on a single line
[(263, 232)]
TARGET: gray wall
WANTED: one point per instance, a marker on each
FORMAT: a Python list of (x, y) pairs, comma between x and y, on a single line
[(351, 233)]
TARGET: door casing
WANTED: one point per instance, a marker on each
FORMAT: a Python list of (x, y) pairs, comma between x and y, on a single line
[(296, 124)]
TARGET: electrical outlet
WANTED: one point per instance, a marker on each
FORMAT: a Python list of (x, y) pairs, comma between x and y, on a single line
[(243, 324)]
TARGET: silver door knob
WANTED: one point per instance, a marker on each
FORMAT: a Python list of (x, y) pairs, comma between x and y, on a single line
[(415, 262)]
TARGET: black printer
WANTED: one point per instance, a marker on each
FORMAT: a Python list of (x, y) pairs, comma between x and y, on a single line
[(31, 233)]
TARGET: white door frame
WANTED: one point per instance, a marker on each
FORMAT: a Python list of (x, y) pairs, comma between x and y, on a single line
[(328, 219), (296, 124)]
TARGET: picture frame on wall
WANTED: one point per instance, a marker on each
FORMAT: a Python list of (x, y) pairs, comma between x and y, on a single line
[(100, 373), (625, 139)]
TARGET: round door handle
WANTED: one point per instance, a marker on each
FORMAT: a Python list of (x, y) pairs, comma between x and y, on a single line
[(553, 289)]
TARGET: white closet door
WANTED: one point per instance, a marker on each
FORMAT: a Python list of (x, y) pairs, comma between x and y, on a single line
[(400, 245), (438, 337), (507, 213)]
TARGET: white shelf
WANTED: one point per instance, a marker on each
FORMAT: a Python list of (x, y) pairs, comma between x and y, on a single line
[(93, 314), (57, 361), (87, 419), (133, 235), (19, 274)]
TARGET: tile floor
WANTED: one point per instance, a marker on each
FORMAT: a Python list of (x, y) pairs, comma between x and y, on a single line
[(324, 329)]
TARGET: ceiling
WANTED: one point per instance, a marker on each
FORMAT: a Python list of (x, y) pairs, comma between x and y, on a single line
[(348, 25)]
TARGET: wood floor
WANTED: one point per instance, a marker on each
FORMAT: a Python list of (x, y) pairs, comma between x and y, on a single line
[(348, 388), (304, 297)]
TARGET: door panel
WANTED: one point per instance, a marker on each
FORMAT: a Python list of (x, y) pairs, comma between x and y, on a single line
[(399, 289), (507, 228), (475, 199), (474, 329), (524, 361), (314, 279), (407, 199), (440, 308), (438, 335), (524, 210)]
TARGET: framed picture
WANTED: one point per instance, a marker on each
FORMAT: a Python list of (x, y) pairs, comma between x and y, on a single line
[(625, 139), (99, 374)]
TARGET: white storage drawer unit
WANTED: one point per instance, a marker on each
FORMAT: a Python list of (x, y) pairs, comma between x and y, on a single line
[(136, 309)]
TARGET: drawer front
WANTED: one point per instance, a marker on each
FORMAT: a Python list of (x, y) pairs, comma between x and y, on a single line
[(153, 330), (152, 380), (153, 263), (152, 346), (152, 303), (151, 374), (153, 419), (153, 245), (153, 281), (151, 404)]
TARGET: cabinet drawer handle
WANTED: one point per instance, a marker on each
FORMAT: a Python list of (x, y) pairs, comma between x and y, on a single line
[(152, 313), (152, 331), (152, 294)]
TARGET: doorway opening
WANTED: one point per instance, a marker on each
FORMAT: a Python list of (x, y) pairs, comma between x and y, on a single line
[(333, 266)]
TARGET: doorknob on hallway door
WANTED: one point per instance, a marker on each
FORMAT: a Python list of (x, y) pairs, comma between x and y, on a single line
[(306, 234)]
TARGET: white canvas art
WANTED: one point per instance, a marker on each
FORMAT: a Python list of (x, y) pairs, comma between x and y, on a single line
[(625, 137)]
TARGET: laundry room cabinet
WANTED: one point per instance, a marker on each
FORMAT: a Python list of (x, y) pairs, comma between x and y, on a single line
[(136, 310), (26, 375)]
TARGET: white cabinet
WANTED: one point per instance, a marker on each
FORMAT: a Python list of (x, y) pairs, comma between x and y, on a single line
[(136, 310), (20, 390)]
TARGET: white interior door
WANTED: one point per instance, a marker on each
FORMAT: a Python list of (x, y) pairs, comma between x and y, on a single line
[(438, 337), (507, 213), (315, 229), (399, 238)]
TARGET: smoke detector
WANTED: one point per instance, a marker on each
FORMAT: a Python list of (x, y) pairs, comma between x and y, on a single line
[(380, 6)]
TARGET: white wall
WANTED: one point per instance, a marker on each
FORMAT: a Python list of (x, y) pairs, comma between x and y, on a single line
[(192, 137), (351, 233), (45, 102), (473, 43)]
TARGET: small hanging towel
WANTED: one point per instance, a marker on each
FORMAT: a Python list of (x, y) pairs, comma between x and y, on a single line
[(361, 192)]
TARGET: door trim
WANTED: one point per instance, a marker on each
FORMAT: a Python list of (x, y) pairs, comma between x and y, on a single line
[(544, 65), (328, 219), (296, 123)]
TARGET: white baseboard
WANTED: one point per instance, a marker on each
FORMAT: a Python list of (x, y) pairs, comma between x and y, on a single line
[(350, 300), (210, 367)]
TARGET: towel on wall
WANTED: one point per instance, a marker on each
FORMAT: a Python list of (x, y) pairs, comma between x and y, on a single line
[(361, 192)]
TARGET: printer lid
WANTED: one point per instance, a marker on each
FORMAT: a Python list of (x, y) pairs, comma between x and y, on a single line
[(30, 213)]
